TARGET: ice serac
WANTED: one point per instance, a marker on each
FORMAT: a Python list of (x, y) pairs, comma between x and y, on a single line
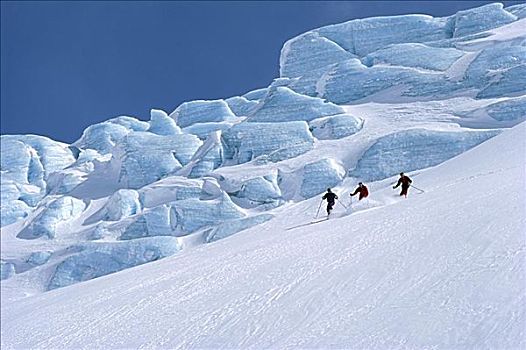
[(194, 214), (309, 52), (517, 10), (320, 175), (255, 95), (169, 189), (234, 226), (282, 104), (509, 110), (154, 222), (414, 55), (7, 270), (277, 141), (64, 181), (207, 158), (414, 149), (480, 19), (104, 136), (241, 106), (98, 259), (335, 127), (26, 163), (39, 258), (261, 190), (363, 36), (162, 124), (56, 212), (203, 130), (145, 157), (121, 204), (194, 112)]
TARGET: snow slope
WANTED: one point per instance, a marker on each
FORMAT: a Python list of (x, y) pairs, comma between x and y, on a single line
[(442, 269), (356, 101)]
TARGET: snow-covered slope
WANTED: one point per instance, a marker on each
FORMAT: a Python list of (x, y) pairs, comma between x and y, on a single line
[(356, 101), (442, 269)]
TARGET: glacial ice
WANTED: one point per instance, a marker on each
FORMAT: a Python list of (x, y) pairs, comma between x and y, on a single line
[(261, 190), (7, 270), (517, 10), (203, 130), (154, 222), (193, 112), (241, 106), (39, 258), (282, 104), (101, 258), (193, 214), (102, 137), (56, 212), (255, 95), (170, 189), (121, 204), (207, 158), (509, 110), (278, 141), (146, 157), (480, 19), (320, 175), (414, 55), (26, 163), (335, 127), (414, 149), (309, 52), (231, 227), (507, 82), (12, 211), (162, 124)]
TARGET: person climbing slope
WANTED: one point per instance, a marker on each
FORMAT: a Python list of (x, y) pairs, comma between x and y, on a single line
[(330, 197), (362, 190), (405, 181)]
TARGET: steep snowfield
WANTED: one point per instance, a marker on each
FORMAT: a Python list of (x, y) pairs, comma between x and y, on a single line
[(441, 269), (224, 191)]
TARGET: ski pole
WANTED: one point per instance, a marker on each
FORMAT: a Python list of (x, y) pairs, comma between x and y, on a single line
[(319, 207), (416, 188), (342, 204)]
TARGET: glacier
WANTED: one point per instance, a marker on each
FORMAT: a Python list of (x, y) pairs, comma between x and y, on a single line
[(359, 100)]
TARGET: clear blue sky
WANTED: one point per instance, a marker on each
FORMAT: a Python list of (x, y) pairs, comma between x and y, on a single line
[(67, 65)]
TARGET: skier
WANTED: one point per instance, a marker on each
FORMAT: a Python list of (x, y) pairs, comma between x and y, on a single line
[(362, 190), (405, 181), (330, 197)]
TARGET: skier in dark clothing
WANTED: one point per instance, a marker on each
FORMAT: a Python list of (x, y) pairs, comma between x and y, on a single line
[(405, 181), (362, 190), (330, 197)]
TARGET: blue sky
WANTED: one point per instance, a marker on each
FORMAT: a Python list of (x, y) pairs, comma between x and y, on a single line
[(67, 65)]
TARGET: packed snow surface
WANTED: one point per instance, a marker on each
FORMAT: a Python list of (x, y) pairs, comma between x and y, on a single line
[(208, 208)]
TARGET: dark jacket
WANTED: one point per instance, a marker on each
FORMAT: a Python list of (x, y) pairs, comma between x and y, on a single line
[(330, 197), (405, 181)]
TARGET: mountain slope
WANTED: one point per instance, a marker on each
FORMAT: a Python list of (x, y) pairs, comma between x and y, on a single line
[(441, 269)]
